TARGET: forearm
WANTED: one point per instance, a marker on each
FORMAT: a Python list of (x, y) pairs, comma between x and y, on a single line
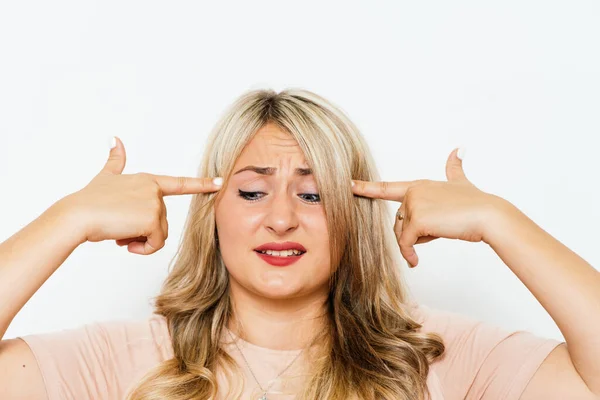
[(30, 257), (565, 284)]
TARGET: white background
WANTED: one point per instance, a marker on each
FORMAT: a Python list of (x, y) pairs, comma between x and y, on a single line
[(516, 82)]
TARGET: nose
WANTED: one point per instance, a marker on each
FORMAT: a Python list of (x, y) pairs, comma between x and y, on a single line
[(282, 217)]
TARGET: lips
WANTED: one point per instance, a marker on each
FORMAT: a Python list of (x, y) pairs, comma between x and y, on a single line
[(281, 246), (278, 261)]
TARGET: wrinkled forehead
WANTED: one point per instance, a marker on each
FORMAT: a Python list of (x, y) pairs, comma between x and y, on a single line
[(272, 152)]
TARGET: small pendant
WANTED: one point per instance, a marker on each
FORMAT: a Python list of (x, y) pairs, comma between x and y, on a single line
[(263, 397)]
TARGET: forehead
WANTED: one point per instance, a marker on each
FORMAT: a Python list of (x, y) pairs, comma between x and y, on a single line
[(272, 147)]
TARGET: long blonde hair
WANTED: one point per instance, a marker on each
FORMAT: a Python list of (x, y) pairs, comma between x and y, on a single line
[(372, 348)]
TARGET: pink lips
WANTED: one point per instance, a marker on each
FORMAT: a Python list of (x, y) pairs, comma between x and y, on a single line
[(281, 246), (279, 261)]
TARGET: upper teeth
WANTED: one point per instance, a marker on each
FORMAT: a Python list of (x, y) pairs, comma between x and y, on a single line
[(283, 253)]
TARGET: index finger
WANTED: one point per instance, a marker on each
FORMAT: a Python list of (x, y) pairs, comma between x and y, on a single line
[(176, 185), (381, 190)]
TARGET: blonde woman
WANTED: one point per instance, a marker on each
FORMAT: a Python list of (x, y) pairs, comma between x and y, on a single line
[(287, 283)]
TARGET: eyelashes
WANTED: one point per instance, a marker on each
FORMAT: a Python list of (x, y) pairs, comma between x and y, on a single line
[(250, 196)]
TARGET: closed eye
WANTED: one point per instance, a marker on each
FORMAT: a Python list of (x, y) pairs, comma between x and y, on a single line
[(251, 196)]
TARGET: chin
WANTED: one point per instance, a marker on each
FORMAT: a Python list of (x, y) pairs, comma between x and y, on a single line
[(278, 291)]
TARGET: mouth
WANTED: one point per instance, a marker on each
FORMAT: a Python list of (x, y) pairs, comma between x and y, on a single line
[(282, 254), (281, 249), (282, 258)]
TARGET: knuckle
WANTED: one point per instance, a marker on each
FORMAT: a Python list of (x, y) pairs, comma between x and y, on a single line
[(182, 183), (404, 246), (147, 179), (157, 205), (150, 248), (141, 179), (114, 158), (157, 222), (150, 223), (385, 188), (156, 191), (414, 191), (403, 252)]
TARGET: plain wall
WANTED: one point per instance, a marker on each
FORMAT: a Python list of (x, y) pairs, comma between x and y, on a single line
[(515, 82)]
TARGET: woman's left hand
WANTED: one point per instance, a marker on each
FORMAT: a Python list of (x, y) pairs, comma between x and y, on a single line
[(455, 209)]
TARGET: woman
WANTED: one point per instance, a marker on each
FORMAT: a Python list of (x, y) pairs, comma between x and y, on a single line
[(287, 281)]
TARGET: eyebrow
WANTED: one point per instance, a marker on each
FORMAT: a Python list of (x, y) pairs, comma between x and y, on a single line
[(271, 170)]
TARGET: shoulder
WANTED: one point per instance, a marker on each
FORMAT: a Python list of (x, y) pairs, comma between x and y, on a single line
[(100, 357), (482, 357), (461, 333), (466, 336), (148, 332), (146, 338), (112, 336), (440, 321)]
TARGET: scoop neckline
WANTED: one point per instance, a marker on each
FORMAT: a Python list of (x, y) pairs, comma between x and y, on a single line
[(258, 348)]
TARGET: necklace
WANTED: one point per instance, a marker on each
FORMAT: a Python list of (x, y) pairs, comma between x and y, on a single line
[(265, 391)]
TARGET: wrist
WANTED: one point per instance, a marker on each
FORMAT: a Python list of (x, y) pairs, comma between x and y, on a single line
[(66, 212), (499, 214)]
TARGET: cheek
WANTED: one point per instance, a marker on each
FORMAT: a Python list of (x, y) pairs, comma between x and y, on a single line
[(236, 225), (317, 239), (315, 225)]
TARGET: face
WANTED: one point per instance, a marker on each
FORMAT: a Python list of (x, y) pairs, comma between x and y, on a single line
[(256, 208)]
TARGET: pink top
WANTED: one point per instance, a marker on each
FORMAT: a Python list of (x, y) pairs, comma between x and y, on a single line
[(103, 360)]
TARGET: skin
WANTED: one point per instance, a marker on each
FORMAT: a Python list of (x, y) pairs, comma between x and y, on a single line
[(279, 307), (564, 284), (286, 302)]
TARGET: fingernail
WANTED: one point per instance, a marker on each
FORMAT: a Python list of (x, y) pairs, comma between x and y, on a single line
[(352, 183), (112, 142), (461, 153), (218, 181)]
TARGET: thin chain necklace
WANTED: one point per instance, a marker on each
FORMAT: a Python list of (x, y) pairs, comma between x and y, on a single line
[(265, 391)]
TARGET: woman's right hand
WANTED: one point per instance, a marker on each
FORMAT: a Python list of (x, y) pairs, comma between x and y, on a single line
[(130, 208)]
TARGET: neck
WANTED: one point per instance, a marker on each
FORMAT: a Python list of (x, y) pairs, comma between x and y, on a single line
[(278, 324)]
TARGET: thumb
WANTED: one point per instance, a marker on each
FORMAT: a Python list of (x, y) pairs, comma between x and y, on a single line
[(454, 166), (116, 159)]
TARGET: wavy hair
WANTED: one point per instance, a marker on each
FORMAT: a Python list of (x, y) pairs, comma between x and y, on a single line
[(372, 347)]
